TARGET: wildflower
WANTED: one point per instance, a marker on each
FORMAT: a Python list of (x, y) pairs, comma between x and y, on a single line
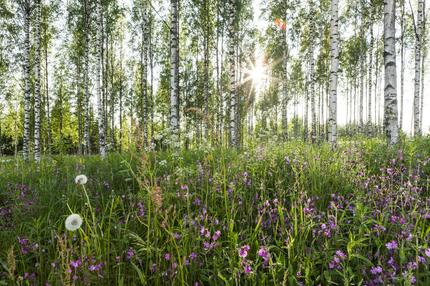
[(141, 207), (263, 253), (376, 270), (247, 269), (427, 252), (96, 267), (130, 253), (167, 256), (243, 252), (73, 222), (392, 245), (193, 256), (177, 236), (216, 235), (81, 180), (337, 259), (75, 264)]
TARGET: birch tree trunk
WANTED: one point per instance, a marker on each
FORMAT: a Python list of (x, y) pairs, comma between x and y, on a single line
[(231, 30), (334, 37), (37, 97), (174, 70), (402, 62), (206, 68), (144, 73), (100, 106), (312, 92), (390, 77), (418, 44), (87, 148), (27, 99), (370, 85), (285, 81)]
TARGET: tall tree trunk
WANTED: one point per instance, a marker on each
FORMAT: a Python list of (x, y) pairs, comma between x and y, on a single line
[(27, 97), (151, 67), (402, 62), (100, 107), (121, 86), (312, 92), (418, 45), (206, 68), (285, 74), (306, 116), (332, 132), (79, 105), (370, 83), (390, 84), (144, 74), (87, 147), (231, 8), (423, 57), (37, 97), (174, 70)]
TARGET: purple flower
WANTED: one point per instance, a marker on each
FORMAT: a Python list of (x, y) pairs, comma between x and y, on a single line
[(96, 267), (197, 202), (75, 264), (243, 252), (130, 253), (376, 270), (263, 253), (392, 245), (141, 211), (216, 235), (193, 256), (247, 269), (427, 252), (177, 236), (167, 256)]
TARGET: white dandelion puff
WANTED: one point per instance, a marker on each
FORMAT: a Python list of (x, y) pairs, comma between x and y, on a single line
[(73, 222), (81, 180)]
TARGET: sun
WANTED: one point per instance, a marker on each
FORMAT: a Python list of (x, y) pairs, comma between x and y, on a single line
[(258, 74)]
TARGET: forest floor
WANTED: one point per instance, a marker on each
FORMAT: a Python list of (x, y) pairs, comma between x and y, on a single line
[(272, 214)]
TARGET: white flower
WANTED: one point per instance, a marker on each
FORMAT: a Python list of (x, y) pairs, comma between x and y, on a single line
[(73, 222), (81, 180)]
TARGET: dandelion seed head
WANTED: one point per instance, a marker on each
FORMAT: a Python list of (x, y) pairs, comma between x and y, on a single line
[(73, 222), (81, 180)]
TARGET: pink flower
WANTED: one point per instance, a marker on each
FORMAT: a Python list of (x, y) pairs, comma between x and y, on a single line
[(243, 252)]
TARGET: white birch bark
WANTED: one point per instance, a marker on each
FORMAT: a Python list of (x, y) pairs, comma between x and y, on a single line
[(174, 70), (232, 70), (87, 148), (390, 77), (27, 99), (334, 38), (37, 96), (100, 107), (418, 45)]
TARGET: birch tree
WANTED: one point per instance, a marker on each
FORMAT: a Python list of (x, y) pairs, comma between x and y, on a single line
[(87, 147), (390, 77), (37, 96), (418, 44), (174, 70), (334, 55), (231, 30), (26, 10), (100, 108)]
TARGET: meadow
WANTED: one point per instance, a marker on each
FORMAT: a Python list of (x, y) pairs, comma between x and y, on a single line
[(271, 214)]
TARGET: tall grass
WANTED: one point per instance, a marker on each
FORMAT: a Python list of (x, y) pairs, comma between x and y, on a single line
[(290, 214)]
